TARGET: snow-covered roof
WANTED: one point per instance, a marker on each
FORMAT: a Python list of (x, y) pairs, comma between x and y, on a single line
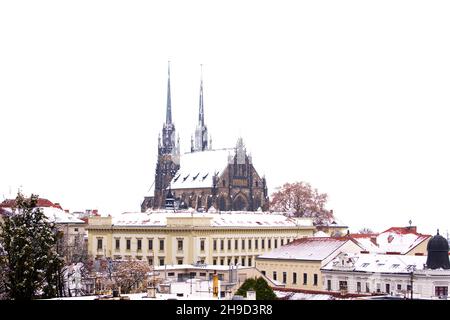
[(398, 240), (218, 219), (198, 168), (56, 215), (376, 263), (311, 248), (195, 267)]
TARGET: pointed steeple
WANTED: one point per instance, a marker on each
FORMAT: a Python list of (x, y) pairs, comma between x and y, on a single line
[(201, 111), (168, 131), (169, 100), (201, 132)]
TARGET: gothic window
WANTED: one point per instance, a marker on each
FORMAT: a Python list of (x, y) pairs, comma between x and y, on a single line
[(209, 203), (240, 203), (222, 204)]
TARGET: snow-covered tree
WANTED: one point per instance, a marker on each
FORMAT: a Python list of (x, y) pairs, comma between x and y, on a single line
[(31, 263), (301, 200)]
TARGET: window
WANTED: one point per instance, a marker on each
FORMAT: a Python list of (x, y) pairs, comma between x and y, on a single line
[(316, 279), (408, 287), (180, 245), (269, 245), (343, 285), (150, 261), (202, 274), (284, 277), (256, 244), (441, 291), (202, 245), (249, 244), (229, 244), (378, 287), (128, 244), (171, 274), (249, 261), (263, 272), (150, 244), (161, 244), (236, 244), (214, 261), (215, 245), (221, 262), (367, 287), (243, 244), (358, 286), (275, 245), (180, 261), (329, 285), (294, 278), (75, 229), (399, 287), (221, 245), (236, 261), (388, 288), (275, 275), (117, 244), (229, 261), (243, 261), (282, 241), (99, 244), (139, 244), (256, 184), (161, 261), (262, 243), (305, 279)]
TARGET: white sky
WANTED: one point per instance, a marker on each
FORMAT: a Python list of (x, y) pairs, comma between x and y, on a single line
[(351, 96)]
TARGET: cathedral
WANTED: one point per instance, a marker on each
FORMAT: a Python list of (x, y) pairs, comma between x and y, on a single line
[(204, 177)]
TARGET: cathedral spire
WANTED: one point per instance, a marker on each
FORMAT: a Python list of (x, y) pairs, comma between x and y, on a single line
[(201, 111), (201, 132), (169, 101)]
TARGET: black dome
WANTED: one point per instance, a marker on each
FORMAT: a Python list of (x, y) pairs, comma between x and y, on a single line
[(438, 253)]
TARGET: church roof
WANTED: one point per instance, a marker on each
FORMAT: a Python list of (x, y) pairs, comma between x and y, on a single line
[(198, 168)]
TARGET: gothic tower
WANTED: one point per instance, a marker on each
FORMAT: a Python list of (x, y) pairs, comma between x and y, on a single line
[(201, 132), (168, 154)]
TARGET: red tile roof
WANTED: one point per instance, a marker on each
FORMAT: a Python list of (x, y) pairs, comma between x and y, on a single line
[(9, 203)]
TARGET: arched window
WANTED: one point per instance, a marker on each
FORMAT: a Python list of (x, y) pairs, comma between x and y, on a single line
[(240, 203), (222, 203)]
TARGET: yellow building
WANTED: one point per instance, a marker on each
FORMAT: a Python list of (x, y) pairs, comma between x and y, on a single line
[(217, 238), (297, 265)]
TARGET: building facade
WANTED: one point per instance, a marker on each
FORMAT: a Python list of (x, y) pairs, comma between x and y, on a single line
[(204, 177), (297, 265), (168, 238)]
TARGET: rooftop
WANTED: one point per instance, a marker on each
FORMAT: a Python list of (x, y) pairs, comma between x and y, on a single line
[(316, 248), (376, 263), (217, 219), (399, 240), (198, 168)]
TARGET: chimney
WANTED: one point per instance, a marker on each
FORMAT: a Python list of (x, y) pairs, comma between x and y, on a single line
[(412, 229)]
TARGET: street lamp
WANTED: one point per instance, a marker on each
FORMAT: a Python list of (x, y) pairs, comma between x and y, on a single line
[(411, 269)]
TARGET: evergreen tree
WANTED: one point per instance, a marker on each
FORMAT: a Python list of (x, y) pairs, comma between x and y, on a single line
[(31, 262), (260, 286)]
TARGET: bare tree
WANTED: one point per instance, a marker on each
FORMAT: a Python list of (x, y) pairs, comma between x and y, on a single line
[(365, 231), (132, 275), (301, 200)]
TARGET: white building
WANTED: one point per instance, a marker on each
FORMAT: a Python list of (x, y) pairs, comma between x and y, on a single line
[(372, 273)]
